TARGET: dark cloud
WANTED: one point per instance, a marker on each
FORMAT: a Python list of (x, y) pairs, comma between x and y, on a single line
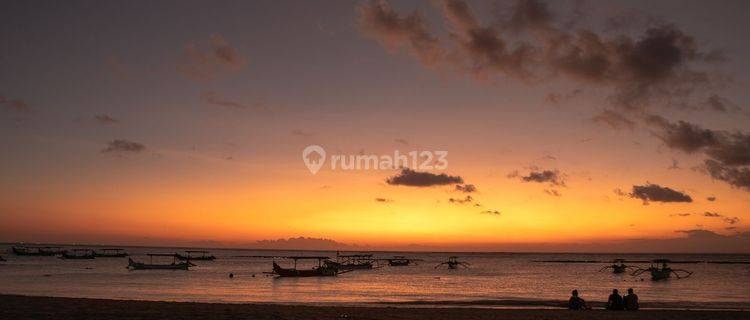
[(213, 98), (619, 192), (718, 103), (553, 177), (199, 64), (383, 200), (468, 199), (728, 152), (552, 192), (379, 21), (122, 146), (408, 177), (614, 120), (558, 98), (728, 220), (657, 193), (491, 212), (401, 141), (467, 188), (104, 119), (530, 43), (712, 199), (14, 104)]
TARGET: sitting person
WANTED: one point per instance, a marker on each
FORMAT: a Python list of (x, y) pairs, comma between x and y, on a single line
[(576, 303), (615, 301), (631, 300)]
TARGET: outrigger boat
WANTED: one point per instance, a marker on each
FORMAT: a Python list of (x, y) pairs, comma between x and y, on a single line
[(182, 265), (111, 253), (351, 262), (618, 266), (78, 254), (453, 263), (660, 270), (204, 255), (322, 270), (37, 251), (399, 261)]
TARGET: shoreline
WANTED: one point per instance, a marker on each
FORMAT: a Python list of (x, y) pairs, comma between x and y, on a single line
[(33, 307)]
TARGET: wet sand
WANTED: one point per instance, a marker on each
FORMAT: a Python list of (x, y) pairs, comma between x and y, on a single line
[(24, 307)]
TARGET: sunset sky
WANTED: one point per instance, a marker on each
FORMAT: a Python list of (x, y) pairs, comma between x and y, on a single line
[(174, 122)]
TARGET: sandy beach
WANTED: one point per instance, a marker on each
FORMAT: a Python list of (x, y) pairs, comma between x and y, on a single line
[(25, 307)]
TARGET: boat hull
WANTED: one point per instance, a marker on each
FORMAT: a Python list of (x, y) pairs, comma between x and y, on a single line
[(145, 266), (38, 253), (316, 272), (67, 256)]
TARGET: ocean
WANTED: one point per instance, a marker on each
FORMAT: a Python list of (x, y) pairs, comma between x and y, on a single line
[(492, 280)]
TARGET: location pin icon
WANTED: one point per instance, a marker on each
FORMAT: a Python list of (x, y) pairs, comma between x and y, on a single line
[(314, 156)]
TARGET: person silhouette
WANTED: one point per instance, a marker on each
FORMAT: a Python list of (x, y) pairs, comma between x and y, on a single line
[(615, 301), (575, 302), (631, 300)]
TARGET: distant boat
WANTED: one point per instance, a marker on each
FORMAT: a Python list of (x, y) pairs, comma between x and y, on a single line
[(659, 270), (618, 266), (78, 254), (110, 253), (321, 270), (190, 255), (399, 261), (37, 251), (351, 262), (453, 263), (183, 265)]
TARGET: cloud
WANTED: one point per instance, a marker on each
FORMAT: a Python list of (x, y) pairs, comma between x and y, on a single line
[(614, 120), (552, 192), (198, 64), (467, 188), (680, 215), (383, 200), (104, 119), (401, 141), (213, 98), (553, 177), (408, 177), (657, 193), (380, 22), (728, 152), (711, 198), (491, 212), (14, 104), (718, 103), (532, 44), (123, 146), (728, 220), (468, 199)]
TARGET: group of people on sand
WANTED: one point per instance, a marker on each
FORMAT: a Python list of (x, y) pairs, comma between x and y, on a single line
[(614, 302)]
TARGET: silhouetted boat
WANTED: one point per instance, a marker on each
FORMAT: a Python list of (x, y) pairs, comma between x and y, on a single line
[(204, 255), (37, 251), (453, 263), (618, 266), (351, 262), (183, 265), (78, 254), (398, 261), (110, 253), (659, 270), (322, 270)]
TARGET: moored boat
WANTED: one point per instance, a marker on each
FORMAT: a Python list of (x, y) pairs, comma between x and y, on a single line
[(191, 255), (78, 254), (37, 251), (110, 253), (322, 270), (182, 265)]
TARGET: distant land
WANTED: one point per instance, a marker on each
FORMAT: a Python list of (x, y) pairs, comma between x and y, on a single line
[(690, 241)]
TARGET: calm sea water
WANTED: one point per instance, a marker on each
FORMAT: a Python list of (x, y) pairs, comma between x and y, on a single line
[(492, 276)]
